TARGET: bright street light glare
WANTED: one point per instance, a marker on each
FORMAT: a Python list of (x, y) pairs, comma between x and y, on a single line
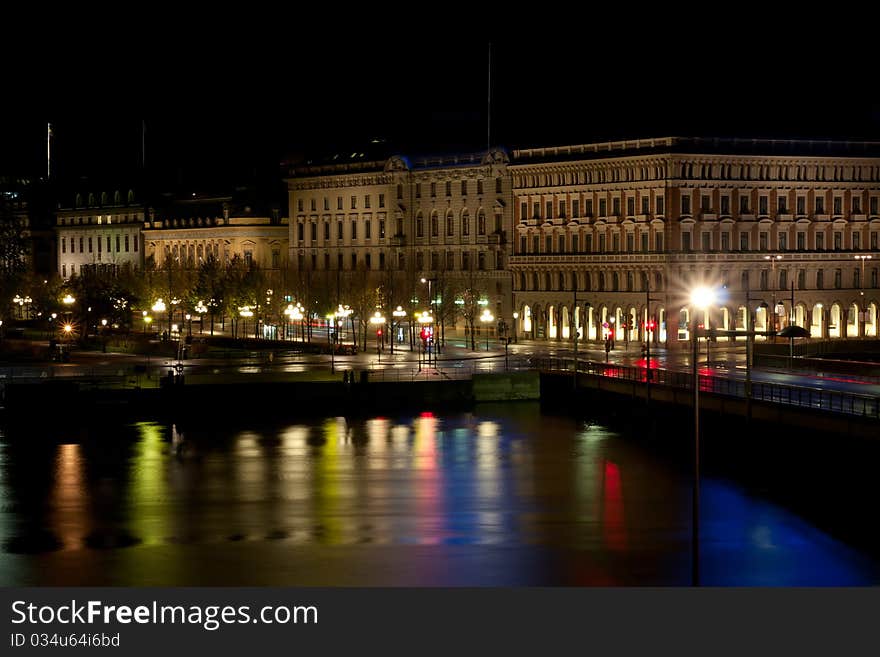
[(703, 297)]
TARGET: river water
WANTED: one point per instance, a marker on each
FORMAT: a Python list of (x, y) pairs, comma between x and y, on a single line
[(503, 495)]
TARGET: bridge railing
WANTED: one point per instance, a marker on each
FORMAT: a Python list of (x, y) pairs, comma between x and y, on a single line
[(835, 401)]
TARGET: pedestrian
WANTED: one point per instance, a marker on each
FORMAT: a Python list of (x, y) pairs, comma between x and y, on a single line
[(607, 348)]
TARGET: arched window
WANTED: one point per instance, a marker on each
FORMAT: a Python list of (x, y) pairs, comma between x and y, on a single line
[(615, 281), (744, 281), (629, 281), (465, 223), (783, 280), (420, 225), (481, 222), (535, 285), (435, 228), (450, 224), (547, 282), (561, 280), (601, 281), (588, 280)]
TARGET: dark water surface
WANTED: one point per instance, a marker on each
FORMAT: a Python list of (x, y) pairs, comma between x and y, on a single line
[(505, 495)]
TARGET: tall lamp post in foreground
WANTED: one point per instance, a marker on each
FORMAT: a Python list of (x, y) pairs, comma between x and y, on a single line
[(515, 328), (860, 319), (701, 299), (426, 320)]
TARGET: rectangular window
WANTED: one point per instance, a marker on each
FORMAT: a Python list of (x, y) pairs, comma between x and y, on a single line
[(658, 240), (381, 200), (381, 260), (312, 204), (615, 207), (781, 205), (562, 209), (874, 240), (838, 205), (368, 261), (630, 242), (498, 185), (326, 231), (479, 191), (136, 240), (763, 241), (339, 230), (108, 244), (449, 189), (601, 243), (367, 201), (536, 244), (705, 203), (588, 243), (820, 205), (615, 242), (450, 259), (574, 243), (126, 243), (725, 241), (381, 229), (838, 240), (630, 207), (725, 205), (354, 261), (548, 244), (368, 229), (90, 245), (549, 214), (646, 204), (466, 261), (707, 242), (481, 260), (801, 241), (743, 241), (820, 280), (339, 264), (762, 204), (354, 202), (820, 241), (783, 241), (686, 241), (400, 191), (299, 232), (354, 230), (576, 208), (276, 259), (433, 189), (63, 245), (603, 207), (523, 211), (338, 202), (299, 204), (117, 244), (588, 207), (685, 204), (857, 205), (838, 279), (561, 244), (314, 232), (801, 204), (464, 187), (660, 205), (644, 238), (744, 204), (536, 208), (874, 204), (64, 271), (326, 203)]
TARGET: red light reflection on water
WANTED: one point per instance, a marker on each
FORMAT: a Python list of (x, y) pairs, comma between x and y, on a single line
[(613, 525)]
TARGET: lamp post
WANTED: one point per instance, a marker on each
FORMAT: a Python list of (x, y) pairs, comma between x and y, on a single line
[(515, 327), (378, 321), (487, 318), (701, 298), (426, 320), (245, 312), (860, 326), (201, 309), (159, 307), (398, 315), (432, 308), (773, 260)]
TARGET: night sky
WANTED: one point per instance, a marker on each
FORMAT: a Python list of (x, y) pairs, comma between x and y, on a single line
[(234, 122)]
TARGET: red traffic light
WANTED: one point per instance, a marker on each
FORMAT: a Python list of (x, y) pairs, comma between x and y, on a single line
[(379, 333)]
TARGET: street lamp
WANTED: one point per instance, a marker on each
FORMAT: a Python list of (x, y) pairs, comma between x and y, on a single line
[(398, 314), (201, 309), (425, 319), (701, 299), (378, 321), (773, 260), (860, 327), (515, 327), (159, 307), (486, 318)]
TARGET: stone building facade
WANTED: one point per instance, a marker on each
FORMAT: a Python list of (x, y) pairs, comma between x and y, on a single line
[(399, 220), (613, 236), (99, 231)]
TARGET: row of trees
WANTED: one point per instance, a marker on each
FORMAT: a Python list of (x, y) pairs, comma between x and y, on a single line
[(221, 289)]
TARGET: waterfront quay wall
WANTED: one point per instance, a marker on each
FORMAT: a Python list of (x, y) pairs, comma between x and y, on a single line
[(72, 401)]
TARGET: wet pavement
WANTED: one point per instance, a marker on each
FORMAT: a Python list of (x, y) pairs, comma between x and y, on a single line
[(505, 495)]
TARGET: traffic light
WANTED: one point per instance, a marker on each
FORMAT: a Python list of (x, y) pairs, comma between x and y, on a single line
[(378, 333)]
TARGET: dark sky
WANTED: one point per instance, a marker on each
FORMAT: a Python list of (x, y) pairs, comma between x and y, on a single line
[(218, 121)]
